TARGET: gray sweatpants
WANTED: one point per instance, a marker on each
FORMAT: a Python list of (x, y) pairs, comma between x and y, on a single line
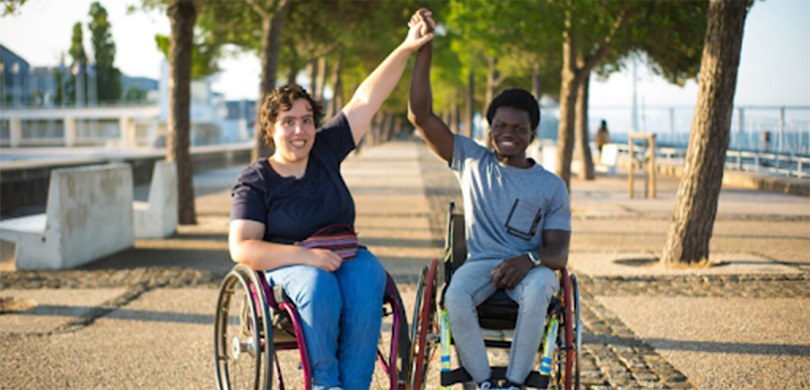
[(472, 284)]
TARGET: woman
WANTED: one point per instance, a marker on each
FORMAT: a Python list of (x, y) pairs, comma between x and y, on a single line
[(298, 190)]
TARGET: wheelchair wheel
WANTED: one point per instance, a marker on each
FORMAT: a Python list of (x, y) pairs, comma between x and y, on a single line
[(569, 338), (577, 333), (395, 364), (243, 355), (424, 326)]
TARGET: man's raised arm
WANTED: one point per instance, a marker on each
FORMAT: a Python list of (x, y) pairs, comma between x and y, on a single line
[(420, 106)]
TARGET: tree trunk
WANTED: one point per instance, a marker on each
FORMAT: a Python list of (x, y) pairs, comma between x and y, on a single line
[(696, 206), (586, 171), (292, 73), (470, 104), (312, 74), (319, 86), (454, 115), (568, 100), (397, 126), (182, 16), (271, 31), (384, 126), (537, 90), (493, 80), (337, 86)]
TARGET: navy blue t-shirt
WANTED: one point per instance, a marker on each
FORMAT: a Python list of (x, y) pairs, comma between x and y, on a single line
[(293, 209)]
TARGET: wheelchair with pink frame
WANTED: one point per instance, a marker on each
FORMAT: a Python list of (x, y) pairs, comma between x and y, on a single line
[(430, 329), (255, 323)]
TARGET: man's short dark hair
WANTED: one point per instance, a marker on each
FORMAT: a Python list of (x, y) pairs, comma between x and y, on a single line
[(518, 98), (281, 99)]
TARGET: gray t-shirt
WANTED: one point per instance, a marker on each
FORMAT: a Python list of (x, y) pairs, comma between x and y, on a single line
[(506, 208)]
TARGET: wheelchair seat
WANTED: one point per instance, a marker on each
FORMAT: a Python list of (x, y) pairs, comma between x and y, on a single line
[(498, 312)]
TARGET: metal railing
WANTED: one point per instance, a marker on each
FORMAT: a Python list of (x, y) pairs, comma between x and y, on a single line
[(740, 160)]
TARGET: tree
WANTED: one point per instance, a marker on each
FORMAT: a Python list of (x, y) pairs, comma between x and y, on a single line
[(523, 46), (271, 13), (78, 83), (135, 94), (249, 25), (596, 34), (588, 32), (59, 79), (10, 7), (681, 24), (204, 53), (109, 77), (182, 16), (696, 206)]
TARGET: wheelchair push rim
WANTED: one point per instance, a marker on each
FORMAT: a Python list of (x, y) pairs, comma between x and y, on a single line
[(243, 358), (569, 340)]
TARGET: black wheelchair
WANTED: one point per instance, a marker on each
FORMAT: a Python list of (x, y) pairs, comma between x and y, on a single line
[(255, 322), (430, 328)]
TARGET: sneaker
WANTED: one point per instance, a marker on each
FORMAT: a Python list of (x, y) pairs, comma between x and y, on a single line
[(486, 385), (511, 386)]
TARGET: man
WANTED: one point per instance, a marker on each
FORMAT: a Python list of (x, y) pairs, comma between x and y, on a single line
[(517, 218)]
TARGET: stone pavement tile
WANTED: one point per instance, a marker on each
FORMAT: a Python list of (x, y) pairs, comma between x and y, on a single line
[(52, 309), (724, 342), (162, 340), (644, 264)]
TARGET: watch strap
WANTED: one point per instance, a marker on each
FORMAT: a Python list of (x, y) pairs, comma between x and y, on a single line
[(534, 258)]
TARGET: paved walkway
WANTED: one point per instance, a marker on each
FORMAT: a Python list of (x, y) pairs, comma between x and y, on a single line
[(143, 318)]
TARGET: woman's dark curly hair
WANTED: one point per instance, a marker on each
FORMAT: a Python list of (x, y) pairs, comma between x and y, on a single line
[(281, 99)]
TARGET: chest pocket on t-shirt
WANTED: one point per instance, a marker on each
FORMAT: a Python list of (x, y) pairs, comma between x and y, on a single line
[(523, 219)]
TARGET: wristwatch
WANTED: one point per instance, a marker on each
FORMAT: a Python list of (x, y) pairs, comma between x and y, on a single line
[(534, 258)]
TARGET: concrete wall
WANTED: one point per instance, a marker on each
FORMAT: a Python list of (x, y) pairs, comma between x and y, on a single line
[(24, 184)]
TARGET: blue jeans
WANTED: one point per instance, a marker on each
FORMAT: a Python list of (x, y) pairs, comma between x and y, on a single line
[(341, 314)]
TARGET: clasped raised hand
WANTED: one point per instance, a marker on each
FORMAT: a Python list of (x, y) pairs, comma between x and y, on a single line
[(420, 29)]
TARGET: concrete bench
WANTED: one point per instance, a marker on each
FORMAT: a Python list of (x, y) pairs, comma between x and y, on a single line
[(88, 216), (157, 217), (608, 159)]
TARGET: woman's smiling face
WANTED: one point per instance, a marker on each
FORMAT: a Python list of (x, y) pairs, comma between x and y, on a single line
[(294, 132)]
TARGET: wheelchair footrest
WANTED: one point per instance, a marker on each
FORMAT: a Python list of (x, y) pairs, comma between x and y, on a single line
[(460, 375)]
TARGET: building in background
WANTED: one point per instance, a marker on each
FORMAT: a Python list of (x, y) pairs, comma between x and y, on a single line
[(15, 83)]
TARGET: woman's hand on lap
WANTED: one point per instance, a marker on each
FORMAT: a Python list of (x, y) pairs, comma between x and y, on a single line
[(324, 259)]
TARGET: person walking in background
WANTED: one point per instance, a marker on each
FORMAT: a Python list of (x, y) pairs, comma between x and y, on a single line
[(602, 136), (280, 201), (517, 223)]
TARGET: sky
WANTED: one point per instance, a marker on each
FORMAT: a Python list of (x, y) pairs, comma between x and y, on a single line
[(774, 67)]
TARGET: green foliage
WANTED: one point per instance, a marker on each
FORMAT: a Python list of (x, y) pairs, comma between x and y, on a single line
[(108, 76), (76, 51), (135, 94), (204, 54), (59, 79), (79, 57), (10, 7), (524, 36)]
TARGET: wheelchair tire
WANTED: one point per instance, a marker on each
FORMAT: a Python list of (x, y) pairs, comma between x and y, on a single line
[(243, 355), (424, 321), (398, 370), (577, 330), (567, 376)]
